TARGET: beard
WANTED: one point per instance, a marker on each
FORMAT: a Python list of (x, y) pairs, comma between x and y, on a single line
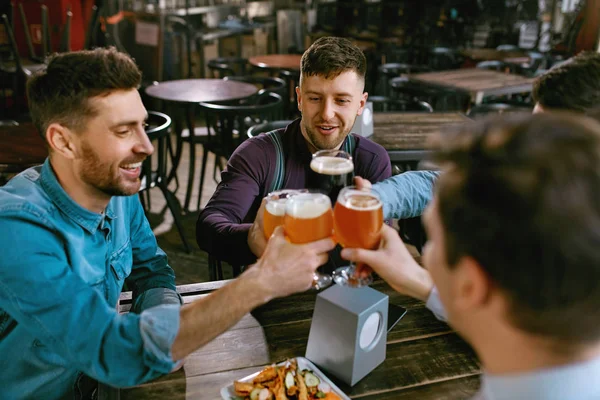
[(100, 175), (326, 142)]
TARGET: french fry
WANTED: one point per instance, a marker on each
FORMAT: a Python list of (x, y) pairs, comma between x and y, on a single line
[(266, 374), (302, 392), (242, 388)]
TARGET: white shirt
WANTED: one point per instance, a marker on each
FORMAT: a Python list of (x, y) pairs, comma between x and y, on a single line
[(579, 381)]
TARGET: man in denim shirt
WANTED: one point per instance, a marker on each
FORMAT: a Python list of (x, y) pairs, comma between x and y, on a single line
[(73, 232)]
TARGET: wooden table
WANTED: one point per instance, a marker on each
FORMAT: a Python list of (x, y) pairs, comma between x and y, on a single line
[(477, 82), (186, 93), (425, 358), (277, 61), (201, 90), (405, 135), (21, 147), (478, 55)]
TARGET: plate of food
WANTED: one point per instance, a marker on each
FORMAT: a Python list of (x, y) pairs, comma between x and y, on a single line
[(294, 379)]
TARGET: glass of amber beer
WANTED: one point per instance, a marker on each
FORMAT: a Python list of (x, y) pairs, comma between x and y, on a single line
[(275, 209), (357, 223), (308, 217), (335, 170)]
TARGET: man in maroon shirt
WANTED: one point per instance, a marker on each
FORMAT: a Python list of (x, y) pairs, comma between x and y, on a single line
[(330, 97)]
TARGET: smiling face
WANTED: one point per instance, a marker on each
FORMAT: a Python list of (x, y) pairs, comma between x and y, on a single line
[(113, 145), (329, 108)]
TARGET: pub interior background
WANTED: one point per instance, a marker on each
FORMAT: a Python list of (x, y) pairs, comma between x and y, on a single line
[(187, 39)]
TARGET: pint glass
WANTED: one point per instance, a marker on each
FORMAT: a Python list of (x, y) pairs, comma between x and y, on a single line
[(335, 170), (357, 221), (308, 217), (275, 209)]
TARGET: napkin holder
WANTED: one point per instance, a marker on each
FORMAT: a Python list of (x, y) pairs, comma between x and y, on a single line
[(348, 332), (363, 125)]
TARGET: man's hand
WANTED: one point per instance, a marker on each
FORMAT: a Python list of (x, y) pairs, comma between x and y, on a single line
[(256, 235), (395, 265), (287, 268)]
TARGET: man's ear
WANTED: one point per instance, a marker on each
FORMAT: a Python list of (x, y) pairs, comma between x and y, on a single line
[(363, 102), (299, 96), (472, 286), (62, 140)]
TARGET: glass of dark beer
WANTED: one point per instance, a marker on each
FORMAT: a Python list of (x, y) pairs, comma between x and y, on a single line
[(334, 169), (357, 223)]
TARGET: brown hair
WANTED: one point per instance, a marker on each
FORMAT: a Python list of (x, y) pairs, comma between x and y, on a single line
[(572, 85), (521, 196), (60, 93), (330, 56)]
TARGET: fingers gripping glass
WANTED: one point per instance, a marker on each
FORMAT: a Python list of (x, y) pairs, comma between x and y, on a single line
[(308, 217), (357, 221)]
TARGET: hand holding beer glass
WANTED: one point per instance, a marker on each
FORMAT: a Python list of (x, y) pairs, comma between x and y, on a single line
[(308, 217), (357, 220)]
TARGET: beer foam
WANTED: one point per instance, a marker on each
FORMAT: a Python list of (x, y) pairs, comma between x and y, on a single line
[(307, 209), (276, 207), (331, 165), (361, 201)]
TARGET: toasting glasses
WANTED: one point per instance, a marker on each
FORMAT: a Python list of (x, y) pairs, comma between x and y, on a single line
[(357, 222)]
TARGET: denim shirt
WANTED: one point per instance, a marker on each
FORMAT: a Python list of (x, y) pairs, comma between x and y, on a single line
[(62, 269), (406, 195)]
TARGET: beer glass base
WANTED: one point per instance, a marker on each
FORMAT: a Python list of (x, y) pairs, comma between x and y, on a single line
[(344, 276), (321, 281)]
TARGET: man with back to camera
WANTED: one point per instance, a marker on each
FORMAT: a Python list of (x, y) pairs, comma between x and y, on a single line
[(512, 260), (73, 232), (573, 85)]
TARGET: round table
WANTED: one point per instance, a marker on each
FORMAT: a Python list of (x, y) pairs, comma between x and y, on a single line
[(277, 61), (201, 90), (21, 147), (187, 93)]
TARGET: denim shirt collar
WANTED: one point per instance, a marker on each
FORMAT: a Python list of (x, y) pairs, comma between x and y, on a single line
[(88, 220)]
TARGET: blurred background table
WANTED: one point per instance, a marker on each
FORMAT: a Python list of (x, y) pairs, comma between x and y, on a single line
[(182, 96), (425, 358), (404, 135), (277, 61), (21, 147), (477, 82)]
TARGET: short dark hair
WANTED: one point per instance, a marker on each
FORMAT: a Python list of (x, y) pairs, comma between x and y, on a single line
[(61, 92), (571, 85), (520, 194), (330, 56)]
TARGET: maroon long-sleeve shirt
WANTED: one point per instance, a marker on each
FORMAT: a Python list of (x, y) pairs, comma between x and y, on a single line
[(222, 227)]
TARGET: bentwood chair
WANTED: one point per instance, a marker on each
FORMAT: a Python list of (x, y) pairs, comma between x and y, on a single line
[(154, 170), (227, 126), (268, 127), (17, 69)]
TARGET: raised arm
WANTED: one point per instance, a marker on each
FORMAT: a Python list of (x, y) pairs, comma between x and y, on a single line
[(283, 269), (406, 195)]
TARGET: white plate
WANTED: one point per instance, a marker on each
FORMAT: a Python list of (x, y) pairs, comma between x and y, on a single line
[(227, 392)]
